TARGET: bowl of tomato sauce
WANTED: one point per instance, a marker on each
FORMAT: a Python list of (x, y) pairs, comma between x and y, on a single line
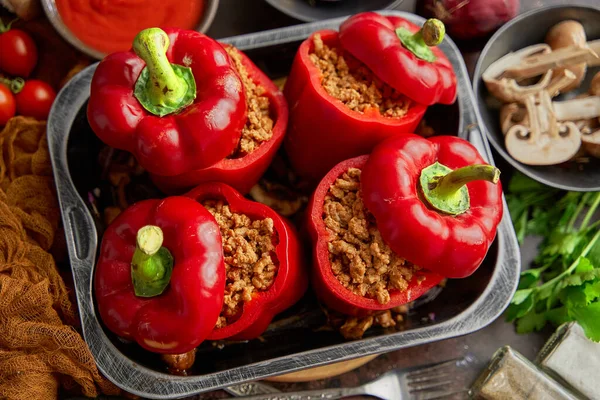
[(101, 27)]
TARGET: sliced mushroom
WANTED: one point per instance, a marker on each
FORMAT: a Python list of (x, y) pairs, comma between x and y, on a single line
[(590, 136), (565, 34), (545, 150), (507, 89), (595, 85), (560, 80), (546, 114), (545, 141), (512, 114), (577, 109), (581, 156), (595, 46), (515, 113), (586, 126), (591, 143), (538, 64)]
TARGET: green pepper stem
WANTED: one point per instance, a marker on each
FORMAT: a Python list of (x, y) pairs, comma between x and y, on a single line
[(447, 185), (15, 85), (444, 190), (164, 88), (419, 43), (149, 239), (431, 33), (152, 264)]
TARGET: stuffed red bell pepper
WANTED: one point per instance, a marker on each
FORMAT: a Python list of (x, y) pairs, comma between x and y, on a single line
[(262, 134), (354, 270), (348, 92), (175, 101), (378, 244), (402, 55), (436, 201), (160, 276), (265, 273)]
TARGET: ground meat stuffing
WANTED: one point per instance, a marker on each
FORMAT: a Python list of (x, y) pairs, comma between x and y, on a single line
[(354, 328), (259, 126), (250, 265), (351, 82), (360, 259)]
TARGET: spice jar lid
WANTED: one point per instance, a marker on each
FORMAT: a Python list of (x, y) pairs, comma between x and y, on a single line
[(573, 358), (402, 55)]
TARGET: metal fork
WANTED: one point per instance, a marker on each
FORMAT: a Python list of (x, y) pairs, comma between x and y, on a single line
[(427, 382)]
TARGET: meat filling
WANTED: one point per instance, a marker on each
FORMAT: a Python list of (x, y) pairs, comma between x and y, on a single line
[(248, 250), (259, 125), (360, 259), (351, 82)]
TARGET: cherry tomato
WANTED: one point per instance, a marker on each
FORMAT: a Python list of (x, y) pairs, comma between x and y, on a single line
[(7, 105), (18, 53), (35, 99)]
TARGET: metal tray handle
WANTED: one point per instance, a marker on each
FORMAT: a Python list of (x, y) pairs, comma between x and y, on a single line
[(79, 226)]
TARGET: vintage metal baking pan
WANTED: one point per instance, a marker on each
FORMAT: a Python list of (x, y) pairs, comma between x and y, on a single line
[(464, 305)]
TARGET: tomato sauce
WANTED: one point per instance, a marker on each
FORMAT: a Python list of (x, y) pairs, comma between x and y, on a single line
[(111, 25)]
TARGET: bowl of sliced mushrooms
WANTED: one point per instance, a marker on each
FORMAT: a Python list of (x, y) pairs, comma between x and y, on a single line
[(537, 84)]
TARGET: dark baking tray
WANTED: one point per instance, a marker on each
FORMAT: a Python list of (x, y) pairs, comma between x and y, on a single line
[(464, 306)]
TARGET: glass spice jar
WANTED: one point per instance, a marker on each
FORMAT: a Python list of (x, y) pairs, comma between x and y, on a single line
[(509, 375)]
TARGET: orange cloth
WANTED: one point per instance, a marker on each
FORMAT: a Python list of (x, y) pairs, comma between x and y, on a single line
[(38, 349)]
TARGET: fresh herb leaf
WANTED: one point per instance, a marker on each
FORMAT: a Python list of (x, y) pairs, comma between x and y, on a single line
[(521, 295), (524, 197), (573, 296), (582, 277), (558, 316), (584, 265), (523, 184), (564, 283), (516, 311), (552, 300), (531, 322), (538, 224), (521, 227), (594, 255), (564, 245), (545, 291), (592, 291), (589, 319), (530, 278)]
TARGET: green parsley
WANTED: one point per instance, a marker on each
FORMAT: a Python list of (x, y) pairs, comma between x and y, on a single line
[(564, 281)]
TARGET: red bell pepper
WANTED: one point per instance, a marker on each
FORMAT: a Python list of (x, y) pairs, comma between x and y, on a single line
[(322, 130), (160, 276), (399, 53), (175, 101), (290, 282), (326, 285), (436, 201), (242, 173)]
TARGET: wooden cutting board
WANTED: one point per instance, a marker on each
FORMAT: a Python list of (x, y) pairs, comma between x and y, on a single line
[(326, 371)]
